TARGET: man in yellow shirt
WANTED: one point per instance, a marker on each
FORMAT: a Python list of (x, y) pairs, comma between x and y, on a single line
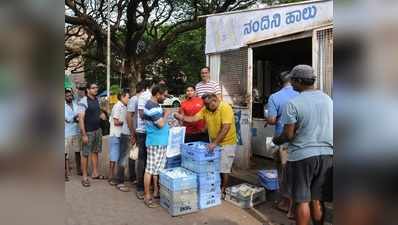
[(220, 122)]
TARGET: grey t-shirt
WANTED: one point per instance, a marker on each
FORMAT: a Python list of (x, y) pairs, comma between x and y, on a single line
[(312, 112)]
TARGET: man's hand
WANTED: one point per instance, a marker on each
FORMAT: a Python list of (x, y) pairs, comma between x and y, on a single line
[(133, 139), (85, 139), (178, 116), (102, 116), (212, 146), (167, 112)]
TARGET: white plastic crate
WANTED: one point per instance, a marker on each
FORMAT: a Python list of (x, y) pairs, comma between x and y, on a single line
[(245, 195), (179, 202)]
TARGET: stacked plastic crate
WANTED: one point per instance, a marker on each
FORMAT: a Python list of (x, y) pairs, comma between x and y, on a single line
[(268, 179), (206, 164), (178, 191), (173, 162)]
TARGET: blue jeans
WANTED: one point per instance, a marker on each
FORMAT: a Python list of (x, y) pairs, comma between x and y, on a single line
[(123, 157), (114, 148)]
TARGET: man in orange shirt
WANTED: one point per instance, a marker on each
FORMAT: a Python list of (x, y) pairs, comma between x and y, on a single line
[(192, 105)]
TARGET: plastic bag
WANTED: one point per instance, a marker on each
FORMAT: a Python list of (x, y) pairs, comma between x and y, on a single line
[(176, 138)]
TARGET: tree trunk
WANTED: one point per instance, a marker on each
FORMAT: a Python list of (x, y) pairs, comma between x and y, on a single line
[(135, 71)]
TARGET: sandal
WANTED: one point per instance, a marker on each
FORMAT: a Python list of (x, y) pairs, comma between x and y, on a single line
[(140, 195), (151, 204), (123, 188), (99, 177), (86, 183), (156, 197)]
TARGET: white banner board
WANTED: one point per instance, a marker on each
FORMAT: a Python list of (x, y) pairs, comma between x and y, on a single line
[(235, 30)]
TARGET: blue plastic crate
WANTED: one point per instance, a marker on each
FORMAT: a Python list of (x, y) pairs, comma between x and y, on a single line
[(189, 180), (175, 159), (173, 162), (172, 165), (199, 151), (210, 188), (268, 179), (200, 166), (209, 178), (209, 200)]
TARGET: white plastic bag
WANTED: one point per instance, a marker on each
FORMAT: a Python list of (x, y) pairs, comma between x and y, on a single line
[(134, 152), (176, 138)]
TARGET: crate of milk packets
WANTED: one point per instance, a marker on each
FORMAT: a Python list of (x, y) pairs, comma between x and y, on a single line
[(268, 179), (211, 199), (245, 195), (199, 151), (197, 157), (179, 202), (172, 162), (178, 178)]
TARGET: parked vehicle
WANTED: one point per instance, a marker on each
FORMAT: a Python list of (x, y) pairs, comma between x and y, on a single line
[(172, 101)]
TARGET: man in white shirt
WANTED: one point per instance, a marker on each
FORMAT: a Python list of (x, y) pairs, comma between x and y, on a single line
[(207, 86), (129, 128), (141, 138), (116, 153)]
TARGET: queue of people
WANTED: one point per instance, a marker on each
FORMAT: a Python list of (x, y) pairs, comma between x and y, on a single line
[(302, 115)]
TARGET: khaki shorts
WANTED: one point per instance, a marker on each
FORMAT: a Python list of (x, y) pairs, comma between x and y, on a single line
[(72, 144), (227, 158)]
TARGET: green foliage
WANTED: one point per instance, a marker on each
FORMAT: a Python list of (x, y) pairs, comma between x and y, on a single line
[(276, 2), (185, 56), (188, 53), (115, 89)]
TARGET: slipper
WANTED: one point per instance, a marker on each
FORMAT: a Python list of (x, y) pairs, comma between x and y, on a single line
[(151, 204), (113, 182), (122, 187), (86, 183), (156, 197), (99, 177), (140, 195)]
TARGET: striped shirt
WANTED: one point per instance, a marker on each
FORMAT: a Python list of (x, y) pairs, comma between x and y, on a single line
[(209, 87)]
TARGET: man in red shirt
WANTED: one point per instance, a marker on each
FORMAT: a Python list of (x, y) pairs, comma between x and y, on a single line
[(192, 105)]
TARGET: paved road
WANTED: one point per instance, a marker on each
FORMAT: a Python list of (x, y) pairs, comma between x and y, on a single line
[(102, 204)]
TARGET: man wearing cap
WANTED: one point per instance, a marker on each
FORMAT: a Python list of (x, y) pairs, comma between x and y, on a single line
[(276, 105), (308, 128)]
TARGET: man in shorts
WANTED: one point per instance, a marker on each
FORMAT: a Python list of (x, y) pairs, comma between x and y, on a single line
[(276, 104), (72, 134), (308, 127), (140, 134), (157, 131), (220, 121), (89, 121)]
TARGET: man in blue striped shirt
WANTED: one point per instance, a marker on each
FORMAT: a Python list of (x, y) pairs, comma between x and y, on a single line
[(157, 131)]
